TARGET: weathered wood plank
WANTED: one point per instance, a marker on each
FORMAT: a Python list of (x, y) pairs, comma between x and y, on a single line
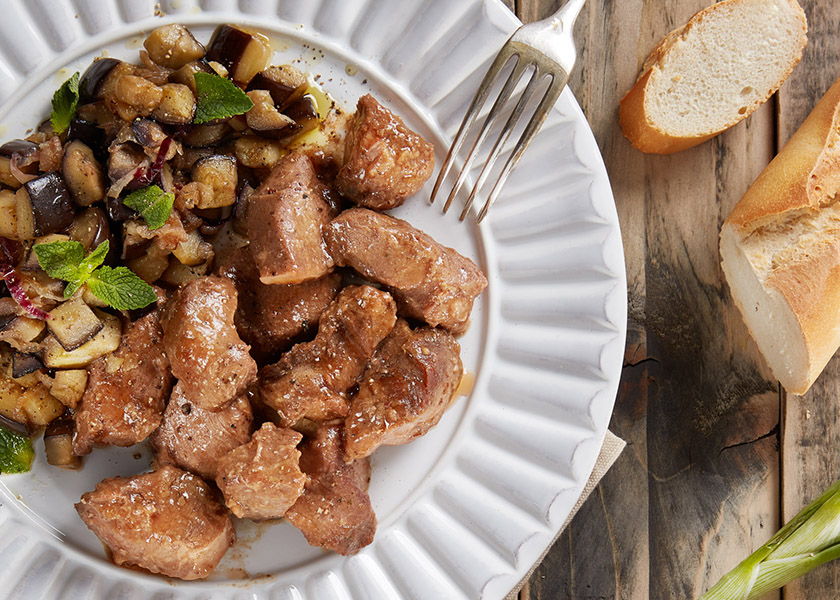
[(811, 432)]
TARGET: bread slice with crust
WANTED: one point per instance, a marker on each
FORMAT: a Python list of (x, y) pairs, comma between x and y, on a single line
[(712, 73), (780, 250)]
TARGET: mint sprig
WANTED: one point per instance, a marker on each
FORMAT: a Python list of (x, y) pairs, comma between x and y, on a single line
[(118, 287), (218, 98), (153, 204), (64, 103)]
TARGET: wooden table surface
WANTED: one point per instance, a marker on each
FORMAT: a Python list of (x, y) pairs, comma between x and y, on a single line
[(718, 456)]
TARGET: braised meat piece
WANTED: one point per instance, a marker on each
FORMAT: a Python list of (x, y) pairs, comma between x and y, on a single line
[(126, 392), (271, 318), (429, 281), (209, 359), (405, 389), (384, 161), (334, 511), (285, 217), (310, 380), (166, 521), (262, 479), (195, 439)]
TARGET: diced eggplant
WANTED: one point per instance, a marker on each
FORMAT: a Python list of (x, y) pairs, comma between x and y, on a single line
[(6, 177), (118, 211), (173, 46), (266, 120), (23, 333), (304, 112), (23, 214), (202, 136), (30, 263), (91, 135), (258, 153), (91, 83), (179, 274), (177, 105), (73, 323), (150, 265), (194, 250), (90, 228), (69, 386), (242, 53), (140, 95), (285, 83), (58, 444), (104, 342), (186, 74), (19, 146), (49, 204), (83, 175), (124, 160), (219, 172), (24, 364), (8, 215), (39, 406)]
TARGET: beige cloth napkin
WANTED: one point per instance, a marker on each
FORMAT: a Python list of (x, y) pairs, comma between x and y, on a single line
[(613, 445)]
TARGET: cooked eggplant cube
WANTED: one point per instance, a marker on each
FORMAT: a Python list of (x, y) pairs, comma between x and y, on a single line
[(69, 386), (90, 228), (19, 146), (173, 46), (186, 74), (104, 342), (83, 174), (304, 112), (266, 120), (91, 135), (40, 406), (50, 204), (22, 330), (73, 323), (202, 136), (91, 83), (59, 451), (139, 96), (23, 214), (285, 83), (242, 53), (118, 211), (256, 152), (8, 215), (24, 364), (6, 177), (177, 105), (219, 172)]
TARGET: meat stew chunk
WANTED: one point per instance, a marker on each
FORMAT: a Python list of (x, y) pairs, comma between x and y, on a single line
[(208, 357), (286, 215), (262, 479), (384, 161), (334, 511), (126, 391), (405, 389), (429, 281), (167, 521), (272, 318), (194, 439), (311, 380)]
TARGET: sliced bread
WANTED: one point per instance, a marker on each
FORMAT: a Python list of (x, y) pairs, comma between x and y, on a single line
[(712, 73), (780, 248)]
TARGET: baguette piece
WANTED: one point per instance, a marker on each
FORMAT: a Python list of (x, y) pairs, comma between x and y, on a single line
[(712, 73), (780, 249)]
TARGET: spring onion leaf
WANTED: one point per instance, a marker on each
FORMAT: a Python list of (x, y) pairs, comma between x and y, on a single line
[(218, 98), (16, 452), (153, 204), (810, 539), (119, 287), (64, 103)]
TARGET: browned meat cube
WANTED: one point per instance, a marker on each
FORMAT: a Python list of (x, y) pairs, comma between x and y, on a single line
[(195, 439), (334, 511), (209, 359), (311, 379), (271, 318), (126, 392), (167, 521), (429, 281), (384, 161), (285, 217), (405, 389), (262, 479)]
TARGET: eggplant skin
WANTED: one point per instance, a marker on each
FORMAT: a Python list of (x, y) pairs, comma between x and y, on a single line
[(90, 85), (52, 208)]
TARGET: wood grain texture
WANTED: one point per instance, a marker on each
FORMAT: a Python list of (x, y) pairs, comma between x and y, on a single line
[(810, 461)]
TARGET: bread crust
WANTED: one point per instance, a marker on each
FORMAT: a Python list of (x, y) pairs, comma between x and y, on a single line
[(634, 118), (800, 181)]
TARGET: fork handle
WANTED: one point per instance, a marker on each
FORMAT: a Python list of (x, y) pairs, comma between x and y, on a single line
[(567, 14)]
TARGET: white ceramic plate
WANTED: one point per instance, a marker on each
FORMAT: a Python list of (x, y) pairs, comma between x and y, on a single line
[(466, 510)]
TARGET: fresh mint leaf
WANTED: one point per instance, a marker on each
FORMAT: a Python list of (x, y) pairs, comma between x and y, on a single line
[(153, 204), (94, 259), (60, 259), (121, 288), (64, 103), (218, 98), (16, 452)]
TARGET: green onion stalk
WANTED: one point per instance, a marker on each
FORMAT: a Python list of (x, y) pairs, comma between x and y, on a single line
[(809, 540)]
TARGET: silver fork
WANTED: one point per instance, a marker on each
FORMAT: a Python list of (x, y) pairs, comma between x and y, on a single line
[(549, 48)]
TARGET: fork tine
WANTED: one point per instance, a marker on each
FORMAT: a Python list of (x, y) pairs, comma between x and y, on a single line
[(472, 112), (503, 136), (498, 105), (528, 134)]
